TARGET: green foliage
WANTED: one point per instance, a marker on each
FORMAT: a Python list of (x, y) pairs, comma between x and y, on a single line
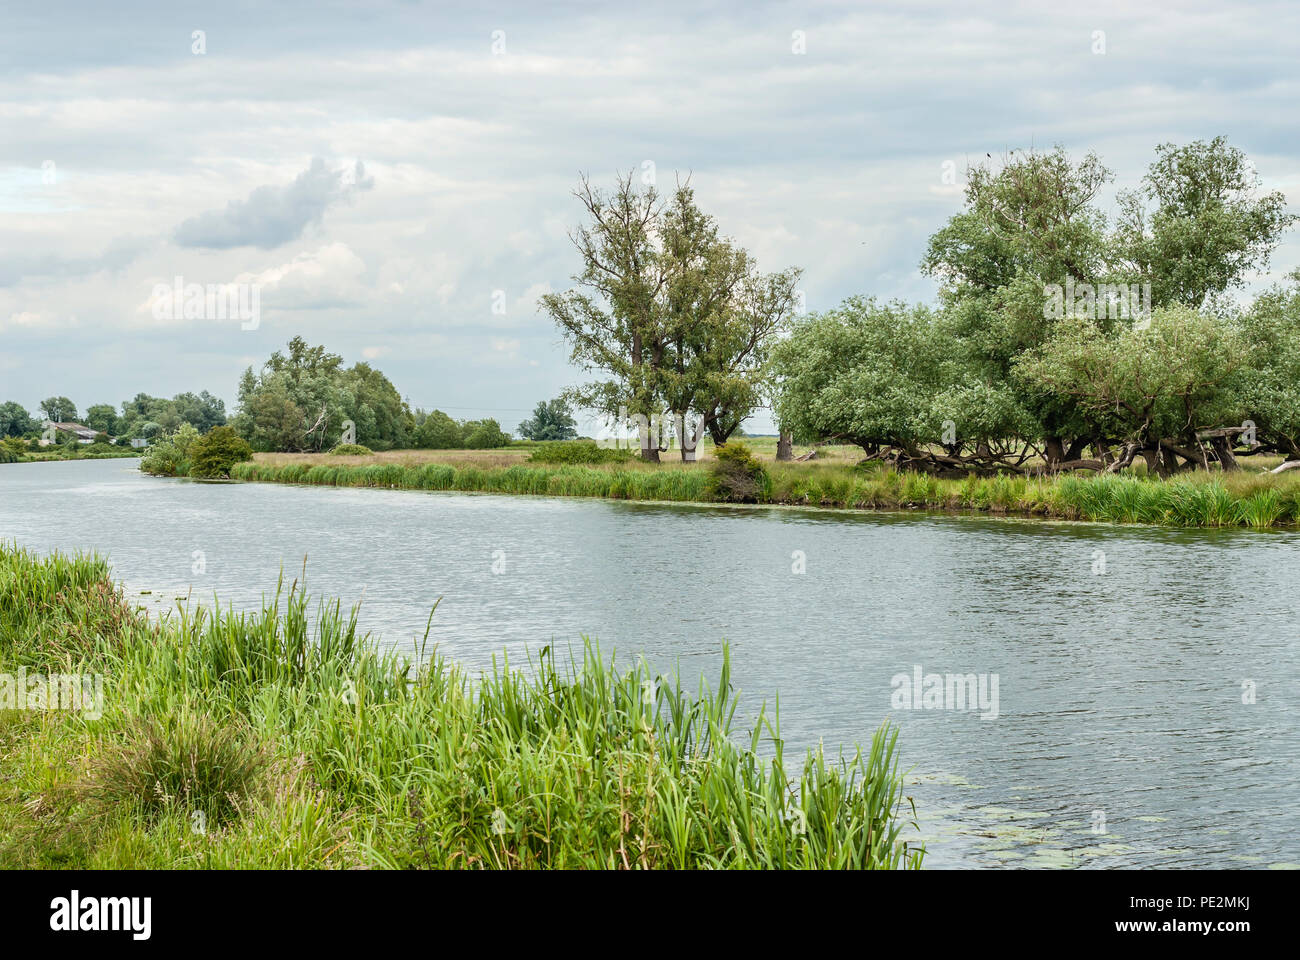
[(1269, 389), (102, 418), (215, 453), (1197, 225), (1013, 374), (300, 401), (164, 460), (484, 435), (551, 420), (437, 431), (170, 457), (178, 762), (351, 450), (183, 439), (1145, 384), (15, 421), (323, 749), (670, 313), (147, 416), (59, 409), (578, 451), (887, 374), (1195, 499), (736, 476)]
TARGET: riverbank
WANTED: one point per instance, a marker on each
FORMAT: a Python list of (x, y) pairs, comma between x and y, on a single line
[(59, 455), (1247, 498), (287, 739)]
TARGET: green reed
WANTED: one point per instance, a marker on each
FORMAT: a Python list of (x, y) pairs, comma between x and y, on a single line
[(1195, 499), (307, 744)]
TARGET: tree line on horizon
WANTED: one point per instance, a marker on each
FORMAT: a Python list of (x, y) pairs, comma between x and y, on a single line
[(143, 417)]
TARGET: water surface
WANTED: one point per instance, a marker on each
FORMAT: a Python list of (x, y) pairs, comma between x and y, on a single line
[(1119, 693)]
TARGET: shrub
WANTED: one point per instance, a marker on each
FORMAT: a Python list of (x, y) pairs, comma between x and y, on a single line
[(351, 450), (184, 762), (439, 432), (214, 454), (165, 460), (735, 476), (184, 438), (485, 435), (578, 451)]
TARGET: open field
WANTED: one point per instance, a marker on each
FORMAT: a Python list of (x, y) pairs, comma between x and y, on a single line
[(287, 739)]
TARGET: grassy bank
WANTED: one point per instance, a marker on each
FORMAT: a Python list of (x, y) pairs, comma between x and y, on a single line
[(281, 740), (122, 453), (1247, 498)]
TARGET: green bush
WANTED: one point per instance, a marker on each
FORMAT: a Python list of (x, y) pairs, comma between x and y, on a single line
[(735, 476), (439, 432), (578, 451), (214, 454), (184, 762), (485, 435), (351, 450), (164, 460)]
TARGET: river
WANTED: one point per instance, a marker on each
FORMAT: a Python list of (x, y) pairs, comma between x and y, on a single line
[(1124, 734)]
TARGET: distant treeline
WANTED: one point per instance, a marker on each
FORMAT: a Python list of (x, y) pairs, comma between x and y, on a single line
[(143, 417)]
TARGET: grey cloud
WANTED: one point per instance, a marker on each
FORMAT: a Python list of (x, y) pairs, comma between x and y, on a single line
[(117, 256), (273, 216)]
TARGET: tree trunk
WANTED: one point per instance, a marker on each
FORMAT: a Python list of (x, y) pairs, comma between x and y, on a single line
[(784, 445), (1054, 452), (649, 440), (689, 440), (1223, 450)]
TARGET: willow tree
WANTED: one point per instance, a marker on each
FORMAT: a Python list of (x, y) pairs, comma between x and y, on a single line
[(1151, 388), (614, 321), (1027, 225), (1270, 387), (725, 315), (675, 316), (890, 378), (1198, 224)]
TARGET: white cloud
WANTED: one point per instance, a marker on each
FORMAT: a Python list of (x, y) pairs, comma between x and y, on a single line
[(831, 161)]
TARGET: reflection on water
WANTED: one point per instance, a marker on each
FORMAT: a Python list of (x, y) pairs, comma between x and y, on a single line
[(1121, 740)]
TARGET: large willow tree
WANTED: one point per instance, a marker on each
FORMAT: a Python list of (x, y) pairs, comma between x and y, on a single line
[(996, 377), (675, 318)]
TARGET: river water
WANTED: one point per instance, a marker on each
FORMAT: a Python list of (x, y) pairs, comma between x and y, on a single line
[(1123, 732)]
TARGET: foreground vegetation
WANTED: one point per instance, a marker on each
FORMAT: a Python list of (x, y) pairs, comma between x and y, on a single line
[(281, 739), (1198, 499)]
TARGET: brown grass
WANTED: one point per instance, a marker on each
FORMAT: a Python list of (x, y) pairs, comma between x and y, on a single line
[(764, 448)]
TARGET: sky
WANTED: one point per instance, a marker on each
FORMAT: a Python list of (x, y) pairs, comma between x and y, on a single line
[(396, 177)]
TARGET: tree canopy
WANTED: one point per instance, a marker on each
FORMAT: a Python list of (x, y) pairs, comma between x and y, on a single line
[(1063, 337), (306, 400), (675, 317)]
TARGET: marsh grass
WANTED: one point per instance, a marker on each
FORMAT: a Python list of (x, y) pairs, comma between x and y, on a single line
[(1200, 499), (178, 761), (306, 744)]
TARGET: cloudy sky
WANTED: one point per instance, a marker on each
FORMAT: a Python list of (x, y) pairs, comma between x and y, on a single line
[(382, 169)]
